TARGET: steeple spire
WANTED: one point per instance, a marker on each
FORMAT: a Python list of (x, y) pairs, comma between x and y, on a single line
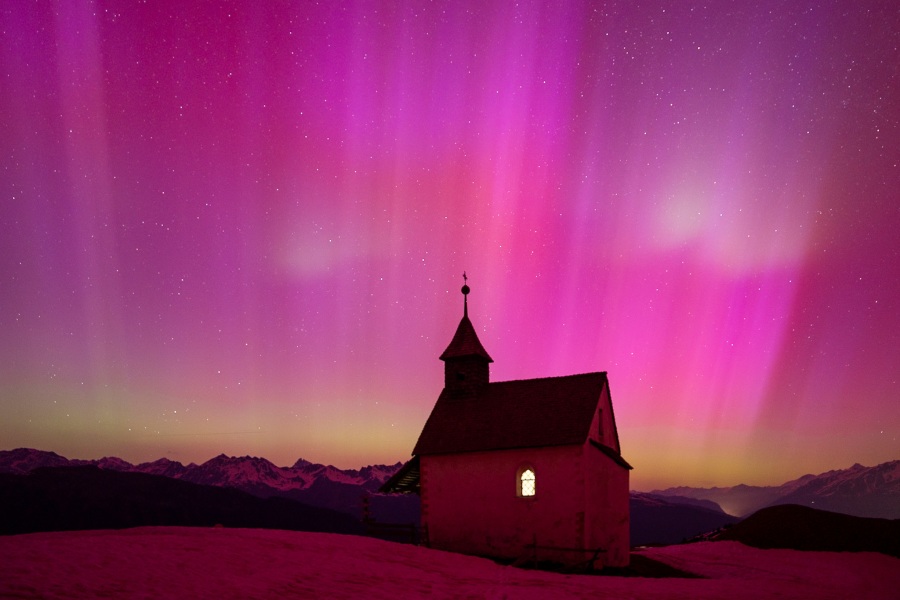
[(465, 359), (465, 291)]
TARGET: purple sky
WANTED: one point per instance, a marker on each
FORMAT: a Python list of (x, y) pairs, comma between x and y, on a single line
[(241, 227)]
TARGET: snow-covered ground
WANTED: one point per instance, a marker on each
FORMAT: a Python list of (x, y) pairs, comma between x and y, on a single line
[(177, 562)]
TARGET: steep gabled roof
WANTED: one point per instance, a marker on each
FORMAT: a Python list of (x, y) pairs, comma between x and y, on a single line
[(465, 342), (552, 411)]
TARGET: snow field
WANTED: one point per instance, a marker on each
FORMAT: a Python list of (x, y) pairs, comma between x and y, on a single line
[(179, 562)]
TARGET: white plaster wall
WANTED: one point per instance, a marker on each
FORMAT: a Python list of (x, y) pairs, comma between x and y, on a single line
[(469, 501), (607, 513)]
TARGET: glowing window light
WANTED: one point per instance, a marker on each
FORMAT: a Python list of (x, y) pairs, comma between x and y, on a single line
[(527, 482)]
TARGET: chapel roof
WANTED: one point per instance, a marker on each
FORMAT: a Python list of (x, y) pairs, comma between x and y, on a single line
[(552, 411)]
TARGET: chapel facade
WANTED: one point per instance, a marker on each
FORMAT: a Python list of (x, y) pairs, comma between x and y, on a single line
[(526, 469)]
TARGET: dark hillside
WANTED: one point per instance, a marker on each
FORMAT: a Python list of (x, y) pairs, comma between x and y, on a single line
[(804, 528), (73, 498)]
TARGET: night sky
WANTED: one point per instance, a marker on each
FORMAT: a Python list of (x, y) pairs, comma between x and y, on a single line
[(241, 227)]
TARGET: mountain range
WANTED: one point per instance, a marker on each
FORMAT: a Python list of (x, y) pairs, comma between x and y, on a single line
[(223, 471), (313, 484), (659, 517), (661, 520), (860, 491)]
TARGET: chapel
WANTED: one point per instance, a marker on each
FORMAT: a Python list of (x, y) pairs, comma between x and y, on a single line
[(521, 470)]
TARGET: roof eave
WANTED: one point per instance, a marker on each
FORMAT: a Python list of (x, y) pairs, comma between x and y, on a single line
[(615, 456)]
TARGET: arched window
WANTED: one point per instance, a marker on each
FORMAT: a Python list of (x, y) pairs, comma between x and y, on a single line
[(526, 482)]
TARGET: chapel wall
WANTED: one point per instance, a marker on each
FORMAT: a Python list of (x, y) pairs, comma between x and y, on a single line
[(470, 502)]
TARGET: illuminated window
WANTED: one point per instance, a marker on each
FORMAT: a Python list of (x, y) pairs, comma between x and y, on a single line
[(526, 483)]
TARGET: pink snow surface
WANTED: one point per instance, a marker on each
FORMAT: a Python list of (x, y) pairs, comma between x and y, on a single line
[(180, 562)]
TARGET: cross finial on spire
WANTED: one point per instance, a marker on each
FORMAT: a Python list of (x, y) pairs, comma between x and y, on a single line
[(465, 291)]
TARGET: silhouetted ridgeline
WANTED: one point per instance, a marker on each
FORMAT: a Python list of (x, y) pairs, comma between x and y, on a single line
[(804, 528), (86, 497)]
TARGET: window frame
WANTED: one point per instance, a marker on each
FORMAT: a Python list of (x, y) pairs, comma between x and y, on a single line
[(520, 474)]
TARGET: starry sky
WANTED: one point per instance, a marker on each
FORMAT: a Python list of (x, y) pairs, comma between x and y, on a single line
[(241, 227)]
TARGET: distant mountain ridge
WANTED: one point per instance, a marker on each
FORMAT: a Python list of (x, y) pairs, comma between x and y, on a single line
[(872, 492), (222, 470), (661, 516), (672, 520), (313, 484)]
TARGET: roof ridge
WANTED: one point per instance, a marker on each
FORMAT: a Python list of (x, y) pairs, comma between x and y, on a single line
[(549, 377)]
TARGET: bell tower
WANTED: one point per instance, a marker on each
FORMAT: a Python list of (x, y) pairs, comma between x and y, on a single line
[(466, 362)]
